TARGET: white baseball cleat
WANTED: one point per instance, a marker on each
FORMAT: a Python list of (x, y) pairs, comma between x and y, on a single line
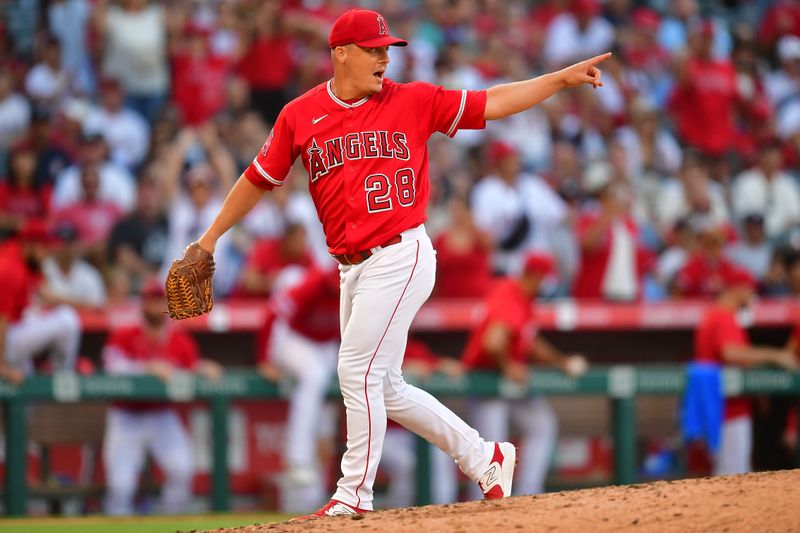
[(497, 480), (332, 508)]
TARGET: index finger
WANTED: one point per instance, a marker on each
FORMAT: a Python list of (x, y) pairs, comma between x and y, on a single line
[(598, 59)]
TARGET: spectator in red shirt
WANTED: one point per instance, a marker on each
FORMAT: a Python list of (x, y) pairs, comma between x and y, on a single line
[(267, 63), (611, 258), (269, 257), (92, 217), (462, 255), (782, 18), (198, 77), (705, 96), (134, 429), (300, 339), (20, 198), (704, 273), (720, 339), (505, 340), (27, 330)]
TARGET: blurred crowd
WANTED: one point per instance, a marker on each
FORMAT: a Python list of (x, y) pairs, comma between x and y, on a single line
[(124, 123)]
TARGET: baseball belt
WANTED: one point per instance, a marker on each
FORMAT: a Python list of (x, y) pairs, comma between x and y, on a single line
[(360, 257)]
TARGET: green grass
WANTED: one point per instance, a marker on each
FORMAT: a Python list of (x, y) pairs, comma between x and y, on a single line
[(142, 524)]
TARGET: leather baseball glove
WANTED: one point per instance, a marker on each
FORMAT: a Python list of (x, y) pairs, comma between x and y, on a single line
[(188, 284)]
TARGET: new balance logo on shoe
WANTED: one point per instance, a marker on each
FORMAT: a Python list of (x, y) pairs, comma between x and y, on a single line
[(490, 477), (339, 509)]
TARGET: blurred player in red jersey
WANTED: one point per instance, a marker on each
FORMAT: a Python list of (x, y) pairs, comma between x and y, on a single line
[(300, 338), (399, 449), (363, 140), (134, 429), (28, 327), (720, 339), (507, 339)]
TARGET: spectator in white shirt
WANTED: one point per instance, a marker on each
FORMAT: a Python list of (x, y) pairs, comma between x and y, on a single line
[(68, 21), (767, 189), (579, 33), (47, 83), (754, 251), (519, 211), (126, 132), (69, 279), (194, 196), (692, 193), (649, 148), (135, 50), (15, 112), (116, 185), (783, 84)]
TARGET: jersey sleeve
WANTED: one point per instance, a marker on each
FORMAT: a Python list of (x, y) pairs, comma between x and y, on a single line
[(452, 110), (729, 333), (272, 163), (188, 352)]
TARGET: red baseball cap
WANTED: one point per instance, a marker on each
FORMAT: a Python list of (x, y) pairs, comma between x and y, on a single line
[(738, 277), (36, 230), (153, 288), (539, 263), (362, 27), (499, 150)]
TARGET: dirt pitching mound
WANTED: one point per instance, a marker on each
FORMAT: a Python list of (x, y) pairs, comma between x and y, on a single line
[(763, 502)]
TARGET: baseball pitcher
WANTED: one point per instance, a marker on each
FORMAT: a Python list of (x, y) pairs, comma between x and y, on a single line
[(362, 139)]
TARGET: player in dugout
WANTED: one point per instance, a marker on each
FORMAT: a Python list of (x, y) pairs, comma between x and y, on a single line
[(300, 339), (720, 338), (28, 325), (507, 339), (133, 429)]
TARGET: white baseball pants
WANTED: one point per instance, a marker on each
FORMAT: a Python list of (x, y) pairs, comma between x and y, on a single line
[(379, 299), (129, 436), (538, 427), (736, 446), (57, 330)]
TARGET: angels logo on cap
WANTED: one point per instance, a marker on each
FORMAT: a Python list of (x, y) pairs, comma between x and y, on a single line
[(383, 29)]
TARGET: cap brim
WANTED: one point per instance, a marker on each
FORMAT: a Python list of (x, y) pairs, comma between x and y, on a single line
[(387, 40)]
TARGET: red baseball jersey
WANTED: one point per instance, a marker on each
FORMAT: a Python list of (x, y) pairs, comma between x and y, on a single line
[(507, 304), (701, 277), (16, 282), (311, 308), (174, 346), (718, 329), (367, 160)]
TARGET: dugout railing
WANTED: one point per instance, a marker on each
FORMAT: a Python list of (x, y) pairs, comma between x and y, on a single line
[(620, 384)]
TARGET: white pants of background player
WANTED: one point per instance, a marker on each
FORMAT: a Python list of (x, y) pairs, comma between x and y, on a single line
[(57, 330), (130, 435), (311, 364), (736, 445), (399, 460), (538, 429), (379, 299)]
